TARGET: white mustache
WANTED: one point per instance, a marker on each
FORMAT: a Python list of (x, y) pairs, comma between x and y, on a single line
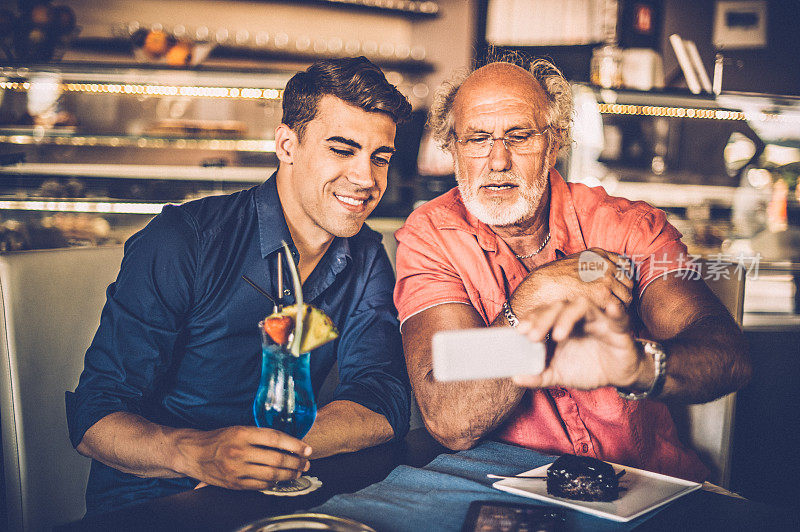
[(505, 176)]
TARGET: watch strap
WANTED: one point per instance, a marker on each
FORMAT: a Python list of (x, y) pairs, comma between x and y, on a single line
[(511, 318), (656, 350)]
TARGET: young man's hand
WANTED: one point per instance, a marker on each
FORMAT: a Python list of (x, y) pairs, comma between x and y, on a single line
[(241, 457)]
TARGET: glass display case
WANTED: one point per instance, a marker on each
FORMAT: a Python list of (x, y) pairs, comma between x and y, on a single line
[(701, 158), (88, 155), (725, 168)]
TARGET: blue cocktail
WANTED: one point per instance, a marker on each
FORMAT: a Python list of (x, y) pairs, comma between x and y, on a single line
[(284, 400)]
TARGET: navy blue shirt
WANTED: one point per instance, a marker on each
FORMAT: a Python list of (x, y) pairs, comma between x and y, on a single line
[(178, 341)]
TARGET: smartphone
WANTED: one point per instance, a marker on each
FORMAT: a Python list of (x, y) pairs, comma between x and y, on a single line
[(485, 353), (489, 516)]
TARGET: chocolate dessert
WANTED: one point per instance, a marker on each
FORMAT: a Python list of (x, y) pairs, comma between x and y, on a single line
[(582, 478)]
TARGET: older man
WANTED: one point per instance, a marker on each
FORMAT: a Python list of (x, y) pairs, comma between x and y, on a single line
[(505, 249)]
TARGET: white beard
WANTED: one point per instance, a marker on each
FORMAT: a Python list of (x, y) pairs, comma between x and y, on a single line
[(501, 213)]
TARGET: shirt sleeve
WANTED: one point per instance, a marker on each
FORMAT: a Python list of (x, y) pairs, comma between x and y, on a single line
[(372, 370), (656, 249), (425, 276), (140, 323)]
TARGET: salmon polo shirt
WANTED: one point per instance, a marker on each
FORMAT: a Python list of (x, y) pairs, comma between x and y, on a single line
[(445, 255)]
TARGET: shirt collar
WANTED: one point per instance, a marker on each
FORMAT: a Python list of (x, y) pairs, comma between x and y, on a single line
[(272, 228), (565, 231)]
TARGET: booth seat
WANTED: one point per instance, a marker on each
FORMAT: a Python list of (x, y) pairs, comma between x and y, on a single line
[(50, 303), (708, 427)]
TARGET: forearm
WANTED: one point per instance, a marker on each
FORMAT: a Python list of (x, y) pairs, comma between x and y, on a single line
[(459, 414), (560, 281), (707, 360), (344, 427), (132, 444), (236, 457), (707, 352)]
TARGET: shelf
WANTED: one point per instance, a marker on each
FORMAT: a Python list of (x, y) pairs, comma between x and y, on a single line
[(672, 195), (389, 60), (136, 171), (401, 58), (46, 137), (665, 97), (672, 103), (82, 206), (671, 112), (154, 89), (409, 8), (776, 322), (779, 266), (103, 206), (119, 78)]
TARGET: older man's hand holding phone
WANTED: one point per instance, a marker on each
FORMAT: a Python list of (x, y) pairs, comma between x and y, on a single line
[(593, 347), (485, 353)]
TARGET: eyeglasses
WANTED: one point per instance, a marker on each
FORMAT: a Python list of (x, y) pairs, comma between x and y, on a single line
[(519, 141)]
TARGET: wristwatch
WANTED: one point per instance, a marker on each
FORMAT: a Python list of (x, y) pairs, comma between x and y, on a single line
[(509, 314), (656, 350)]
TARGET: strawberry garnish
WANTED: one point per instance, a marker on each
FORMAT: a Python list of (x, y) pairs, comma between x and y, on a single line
[(279, 328)]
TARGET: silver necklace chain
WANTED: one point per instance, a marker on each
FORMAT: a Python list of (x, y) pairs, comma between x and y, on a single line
[(546, 240)]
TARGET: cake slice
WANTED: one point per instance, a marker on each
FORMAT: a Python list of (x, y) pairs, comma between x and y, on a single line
[(582, 478)]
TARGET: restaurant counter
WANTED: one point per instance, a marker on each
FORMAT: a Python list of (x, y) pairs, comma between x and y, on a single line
[(213, 508)]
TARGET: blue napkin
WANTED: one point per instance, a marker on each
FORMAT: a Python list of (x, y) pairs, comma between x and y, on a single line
[(437, 496)]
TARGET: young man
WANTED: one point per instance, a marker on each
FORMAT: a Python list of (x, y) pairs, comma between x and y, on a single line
[(165, 398), (506, 247)]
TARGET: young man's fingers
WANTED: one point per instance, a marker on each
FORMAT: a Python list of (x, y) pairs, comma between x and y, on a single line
[(278, 440), (270, 474), (259, 479), (276, 459)]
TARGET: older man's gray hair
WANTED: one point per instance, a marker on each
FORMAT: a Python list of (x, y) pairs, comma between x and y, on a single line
[(550, 78)]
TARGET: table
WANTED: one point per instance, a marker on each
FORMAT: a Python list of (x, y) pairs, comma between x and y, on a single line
[(213, 508)]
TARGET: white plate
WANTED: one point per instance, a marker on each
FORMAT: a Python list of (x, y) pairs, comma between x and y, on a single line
[(644, 491)]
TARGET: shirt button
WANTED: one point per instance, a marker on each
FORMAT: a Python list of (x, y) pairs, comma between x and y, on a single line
[(584, 448)]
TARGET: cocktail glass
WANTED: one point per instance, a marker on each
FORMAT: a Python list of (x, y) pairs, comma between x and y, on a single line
[(284, 400)]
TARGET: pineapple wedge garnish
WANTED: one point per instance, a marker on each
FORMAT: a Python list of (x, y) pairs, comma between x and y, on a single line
[(318, 329), (314, 330)]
